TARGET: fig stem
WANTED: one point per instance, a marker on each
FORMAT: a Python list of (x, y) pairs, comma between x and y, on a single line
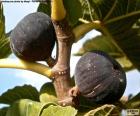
[(22, 64)]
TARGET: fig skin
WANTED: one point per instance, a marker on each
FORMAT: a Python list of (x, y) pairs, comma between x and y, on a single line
[(99, 78), (34, 37)]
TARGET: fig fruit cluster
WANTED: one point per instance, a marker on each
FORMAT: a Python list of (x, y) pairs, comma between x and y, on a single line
[(34, 37), (100, 78)]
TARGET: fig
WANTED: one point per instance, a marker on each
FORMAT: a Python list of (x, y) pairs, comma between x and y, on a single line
[(34, 37), (99, 77)]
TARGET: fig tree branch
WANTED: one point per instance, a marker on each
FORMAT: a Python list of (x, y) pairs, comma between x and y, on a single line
[(65, 40), (21, 64)]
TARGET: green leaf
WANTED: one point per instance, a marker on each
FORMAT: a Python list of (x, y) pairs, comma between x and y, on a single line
[(26, 107), (47, 93), (45, 8), (105, 110), (73, 8), (19, 92), (3, 111), (134, 102), (85, 106), (88, 12), (99, 43), (104, 44), (5, 50), (59, 111), (119, 24), (130, 44), (74, 11)]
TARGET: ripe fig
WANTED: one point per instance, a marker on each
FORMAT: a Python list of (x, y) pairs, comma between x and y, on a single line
[(100, 78), (34, 37)]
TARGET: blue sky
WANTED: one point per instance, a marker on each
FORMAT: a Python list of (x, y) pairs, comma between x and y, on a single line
[(9, 78)]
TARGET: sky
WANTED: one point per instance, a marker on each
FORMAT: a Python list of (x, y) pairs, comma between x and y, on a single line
[(10, 78)]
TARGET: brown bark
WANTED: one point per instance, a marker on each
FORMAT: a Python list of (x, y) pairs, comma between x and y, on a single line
[(61, 70)]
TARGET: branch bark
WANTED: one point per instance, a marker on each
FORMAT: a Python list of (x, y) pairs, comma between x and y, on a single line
[(62, 81), (65, 39)]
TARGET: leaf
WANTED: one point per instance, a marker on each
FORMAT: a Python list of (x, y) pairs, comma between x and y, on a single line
[(74, 11), (85, 106), (104, 44), (99, 43), (26, 107), (73, 8), (130, 44), (47, 93), (105, 110), (88, 12), (134, 102), (45, 8), (19, 92), (119, 19), (5, 50), (3, 111), (59, 111)]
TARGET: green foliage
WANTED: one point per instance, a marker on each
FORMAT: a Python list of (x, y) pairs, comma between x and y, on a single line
[(47, 93), (117, 18), (74, 10), (134, 102), (5, 50), (19, 92), (104, 44), (105, 110), (46, 8), (23, 102), (59, 111), (26, 107), (3, 111), (120, 28)]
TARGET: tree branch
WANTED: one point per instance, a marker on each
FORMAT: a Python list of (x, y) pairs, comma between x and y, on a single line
[(62, 79), (32, 66)]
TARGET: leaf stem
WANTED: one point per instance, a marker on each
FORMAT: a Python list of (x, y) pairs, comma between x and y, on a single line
[(122, 17), (90, 11), (82, 29), (111, 10), (21, 64)]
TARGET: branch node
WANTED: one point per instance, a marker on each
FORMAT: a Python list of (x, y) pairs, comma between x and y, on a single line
[(57, 73)]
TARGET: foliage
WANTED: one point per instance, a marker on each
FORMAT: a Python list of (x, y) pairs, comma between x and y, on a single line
[(119, 24), (22, 101), (101, 43), (118, 18), (19, 92), (5, 50)]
